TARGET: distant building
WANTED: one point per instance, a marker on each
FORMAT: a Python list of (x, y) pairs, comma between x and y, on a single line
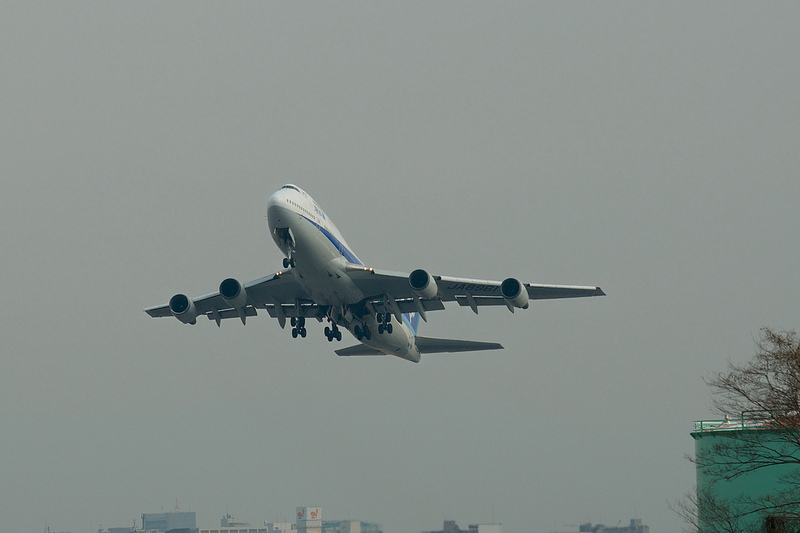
[(230, 521), (634, 527), (350, 526), (486, 528), (230, 524), (309, 520), (450, 526), (176, 522), (248, 529), (280, 527)]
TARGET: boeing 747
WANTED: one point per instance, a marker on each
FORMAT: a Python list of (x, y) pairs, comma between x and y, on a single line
[(323, 279)]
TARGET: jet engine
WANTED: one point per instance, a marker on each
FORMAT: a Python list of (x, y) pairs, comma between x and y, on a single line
[(233, 293), (183, 309), (423, 284), (514, 293)]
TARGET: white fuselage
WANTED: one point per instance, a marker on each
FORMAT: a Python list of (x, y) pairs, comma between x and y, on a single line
[(321, 258)]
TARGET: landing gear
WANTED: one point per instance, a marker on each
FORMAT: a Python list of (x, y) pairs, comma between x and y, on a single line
[(384, 323), (299, 327), (333, 333), (362, 332), (288, 262)]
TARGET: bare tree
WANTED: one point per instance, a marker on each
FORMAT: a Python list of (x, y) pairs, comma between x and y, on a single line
[(763, 395)]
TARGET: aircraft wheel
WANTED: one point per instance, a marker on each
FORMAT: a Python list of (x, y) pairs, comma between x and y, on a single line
[(285, 262), (380, 329), (294, 321), (301, 322), (388, 319), (294, 333), (389, 329), (327, 331), (367, 333), (303, 332), (338, 335)]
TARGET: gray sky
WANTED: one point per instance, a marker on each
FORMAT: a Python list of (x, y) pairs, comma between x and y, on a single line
[(649, 149)]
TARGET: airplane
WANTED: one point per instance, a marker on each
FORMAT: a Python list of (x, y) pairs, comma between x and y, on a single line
[(323, 279)]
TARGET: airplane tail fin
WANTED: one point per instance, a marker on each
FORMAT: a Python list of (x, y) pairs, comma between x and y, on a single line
[(412, 321)]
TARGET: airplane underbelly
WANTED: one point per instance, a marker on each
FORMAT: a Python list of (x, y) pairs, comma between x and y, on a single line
[(321, 266), (399, 343)]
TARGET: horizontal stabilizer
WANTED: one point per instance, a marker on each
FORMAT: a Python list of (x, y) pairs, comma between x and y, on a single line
[(429, 345), (358, 349)]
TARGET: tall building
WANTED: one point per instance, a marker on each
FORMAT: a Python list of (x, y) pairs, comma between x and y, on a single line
[(309, 520)]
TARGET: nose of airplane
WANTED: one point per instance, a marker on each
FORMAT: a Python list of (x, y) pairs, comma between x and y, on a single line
[(275, 208)]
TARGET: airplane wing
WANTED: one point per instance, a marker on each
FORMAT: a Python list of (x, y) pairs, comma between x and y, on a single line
[(474, 293), (279, 294)]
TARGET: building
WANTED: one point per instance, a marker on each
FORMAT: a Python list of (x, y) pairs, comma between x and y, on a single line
[(634, 527), (230, 524), (350, 526), (280, 527), (241, 527), (450, 526), (175, 522), (309, 520), (230, 521), (747, 474), (486, 528)]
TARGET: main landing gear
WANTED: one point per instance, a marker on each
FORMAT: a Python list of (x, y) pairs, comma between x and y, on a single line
[(299, 327), (384, 323), (333, 333), (362, 332), (288, 262)]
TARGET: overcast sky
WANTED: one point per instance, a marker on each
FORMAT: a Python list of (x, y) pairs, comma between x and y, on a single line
[(650, 149)]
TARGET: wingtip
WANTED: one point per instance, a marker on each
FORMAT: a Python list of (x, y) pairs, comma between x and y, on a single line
[(599, 291)]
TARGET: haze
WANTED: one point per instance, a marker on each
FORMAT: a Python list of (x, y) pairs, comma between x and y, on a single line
[(650, 149)]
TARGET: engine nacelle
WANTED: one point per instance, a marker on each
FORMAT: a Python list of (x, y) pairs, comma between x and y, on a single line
[(423, 284), (233, 293), (183, 309), (514, 293)]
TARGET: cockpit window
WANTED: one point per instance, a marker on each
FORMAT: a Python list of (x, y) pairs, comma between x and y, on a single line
[(290, 187)]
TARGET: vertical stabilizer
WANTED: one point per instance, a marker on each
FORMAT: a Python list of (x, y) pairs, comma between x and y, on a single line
[(412, 321)]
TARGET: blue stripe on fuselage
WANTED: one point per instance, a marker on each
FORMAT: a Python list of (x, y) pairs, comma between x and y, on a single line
[(346, 253)]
